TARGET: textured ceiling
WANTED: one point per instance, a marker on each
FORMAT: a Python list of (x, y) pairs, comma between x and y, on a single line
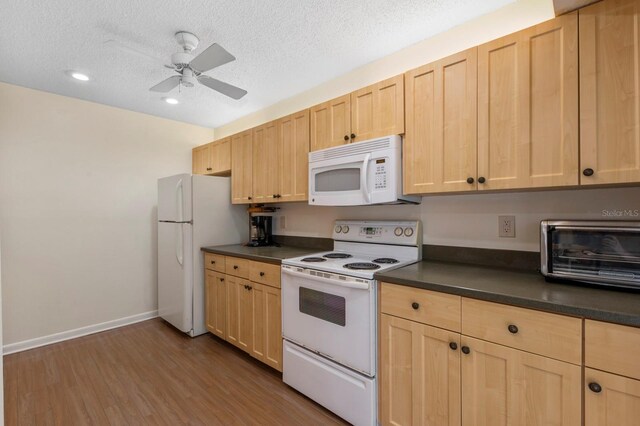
[(283, 47)]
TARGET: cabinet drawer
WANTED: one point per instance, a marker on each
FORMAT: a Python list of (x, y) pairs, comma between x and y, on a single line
[(215, 262), (265, 273), (611, 347), (237, 267), (551, 335), (428, 307)]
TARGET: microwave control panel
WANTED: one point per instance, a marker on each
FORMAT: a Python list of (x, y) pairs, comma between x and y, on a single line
[(381, 174)]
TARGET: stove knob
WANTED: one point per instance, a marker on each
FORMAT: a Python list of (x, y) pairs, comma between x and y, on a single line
[(408, 232), (398, 231), (345, 228), (338, 229)]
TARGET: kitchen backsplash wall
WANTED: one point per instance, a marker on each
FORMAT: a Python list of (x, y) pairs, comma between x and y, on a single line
[(471, 220)]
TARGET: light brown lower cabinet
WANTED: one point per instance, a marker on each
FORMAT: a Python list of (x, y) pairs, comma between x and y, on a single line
[(610, 400), (505, 386), (245, 313), (216, 303), (419, 374)]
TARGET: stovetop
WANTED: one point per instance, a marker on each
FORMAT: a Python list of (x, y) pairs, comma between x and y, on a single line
[(359, 265)]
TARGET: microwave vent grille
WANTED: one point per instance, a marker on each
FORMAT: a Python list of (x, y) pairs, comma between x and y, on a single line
[(353, 149)]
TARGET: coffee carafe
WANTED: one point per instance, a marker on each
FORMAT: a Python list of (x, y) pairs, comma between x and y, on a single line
[(260, 231)]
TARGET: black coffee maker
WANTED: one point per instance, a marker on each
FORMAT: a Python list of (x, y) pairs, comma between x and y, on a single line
[(260, 231)]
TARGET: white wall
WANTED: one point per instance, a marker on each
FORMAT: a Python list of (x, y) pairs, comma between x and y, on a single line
[(78, 209), (513, 17), (471, 220)]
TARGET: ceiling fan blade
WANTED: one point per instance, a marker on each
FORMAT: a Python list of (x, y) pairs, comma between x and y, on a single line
[(212, 57), (166, 85), (222, 87)]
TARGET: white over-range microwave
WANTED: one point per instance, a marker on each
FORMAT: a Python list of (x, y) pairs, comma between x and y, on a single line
[(358, 174)]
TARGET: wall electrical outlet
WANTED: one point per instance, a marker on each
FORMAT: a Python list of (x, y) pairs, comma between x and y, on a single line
[(283, 222), (506, 226)]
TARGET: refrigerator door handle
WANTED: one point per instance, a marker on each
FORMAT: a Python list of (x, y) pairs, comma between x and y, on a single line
[(180, 201), (180, 245)]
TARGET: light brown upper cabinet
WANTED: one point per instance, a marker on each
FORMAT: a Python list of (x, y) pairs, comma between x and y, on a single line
[(331, 123), (293, 163), (212, 159), (266, 157), (528, 107), (610, 92), (439, 148), (242, 167), (370, 112)]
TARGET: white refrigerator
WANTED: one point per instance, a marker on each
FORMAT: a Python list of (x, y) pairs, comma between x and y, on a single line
[(193, 211)]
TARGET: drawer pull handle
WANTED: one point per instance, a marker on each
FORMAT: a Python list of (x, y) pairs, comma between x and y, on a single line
[(235, 266), (415, 305), (465, 350), (513, 329), (453, 346), (595, 387), (262, 274)]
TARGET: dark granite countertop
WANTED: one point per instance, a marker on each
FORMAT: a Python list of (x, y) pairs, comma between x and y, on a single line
[(525, 289), (269, 254)]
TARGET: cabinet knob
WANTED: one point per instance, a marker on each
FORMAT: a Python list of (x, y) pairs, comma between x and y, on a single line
[(221, 280), (513, 329), (470, 180), (595, 387), (249, 198), (415, 305), (346, 137), (249, 288), (353, 135), (278, 196), (274, 196), (208, 168), (465, 350), (262, 274), (453, 346), (213, 262), (481, 179), (587, 172), (235, 266), (245, 287)]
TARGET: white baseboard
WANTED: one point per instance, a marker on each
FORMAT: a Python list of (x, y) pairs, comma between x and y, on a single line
[(78, 332)]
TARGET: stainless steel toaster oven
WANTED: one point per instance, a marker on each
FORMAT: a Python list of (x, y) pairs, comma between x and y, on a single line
[(597, 252)]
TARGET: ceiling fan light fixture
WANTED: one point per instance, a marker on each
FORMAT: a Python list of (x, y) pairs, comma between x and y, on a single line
[(171, 101)]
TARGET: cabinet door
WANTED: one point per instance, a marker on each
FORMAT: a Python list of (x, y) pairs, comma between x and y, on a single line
[(234, 289), (610, 92), (221, 157), (242, 167), (245, 316), (267, 329), (216, 303), (200, 160), (266, 158), (294, 157), (419, 374), (528, 107), (504, 386), (331, 123), (440, 141), (617, 402), (378, 110)]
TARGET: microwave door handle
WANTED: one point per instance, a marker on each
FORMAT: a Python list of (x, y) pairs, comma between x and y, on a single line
[(364, 177), (358, 286)]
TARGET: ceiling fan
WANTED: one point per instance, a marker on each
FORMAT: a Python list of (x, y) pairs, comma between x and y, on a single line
[(191, 69)]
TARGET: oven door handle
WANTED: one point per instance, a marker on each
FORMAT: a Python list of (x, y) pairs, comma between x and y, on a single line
[(358, 286)]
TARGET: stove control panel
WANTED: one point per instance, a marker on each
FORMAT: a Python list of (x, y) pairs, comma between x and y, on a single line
[(382, 232)]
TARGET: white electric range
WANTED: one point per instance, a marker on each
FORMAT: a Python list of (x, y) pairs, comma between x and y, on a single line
[(329, 311)]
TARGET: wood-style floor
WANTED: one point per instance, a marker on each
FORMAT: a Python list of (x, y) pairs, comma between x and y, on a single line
[(148, 373)]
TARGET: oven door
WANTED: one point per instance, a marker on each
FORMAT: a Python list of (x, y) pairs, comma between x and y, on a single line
[(331, 315)]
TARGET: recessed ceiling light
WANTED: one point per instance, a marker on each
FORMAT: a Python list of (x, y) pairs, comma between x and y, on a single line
[(79, 76), (171, 101)]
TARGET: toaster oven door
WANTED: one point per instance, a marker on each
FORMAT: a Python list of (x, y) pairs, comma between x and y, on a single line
[(597, 254)]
